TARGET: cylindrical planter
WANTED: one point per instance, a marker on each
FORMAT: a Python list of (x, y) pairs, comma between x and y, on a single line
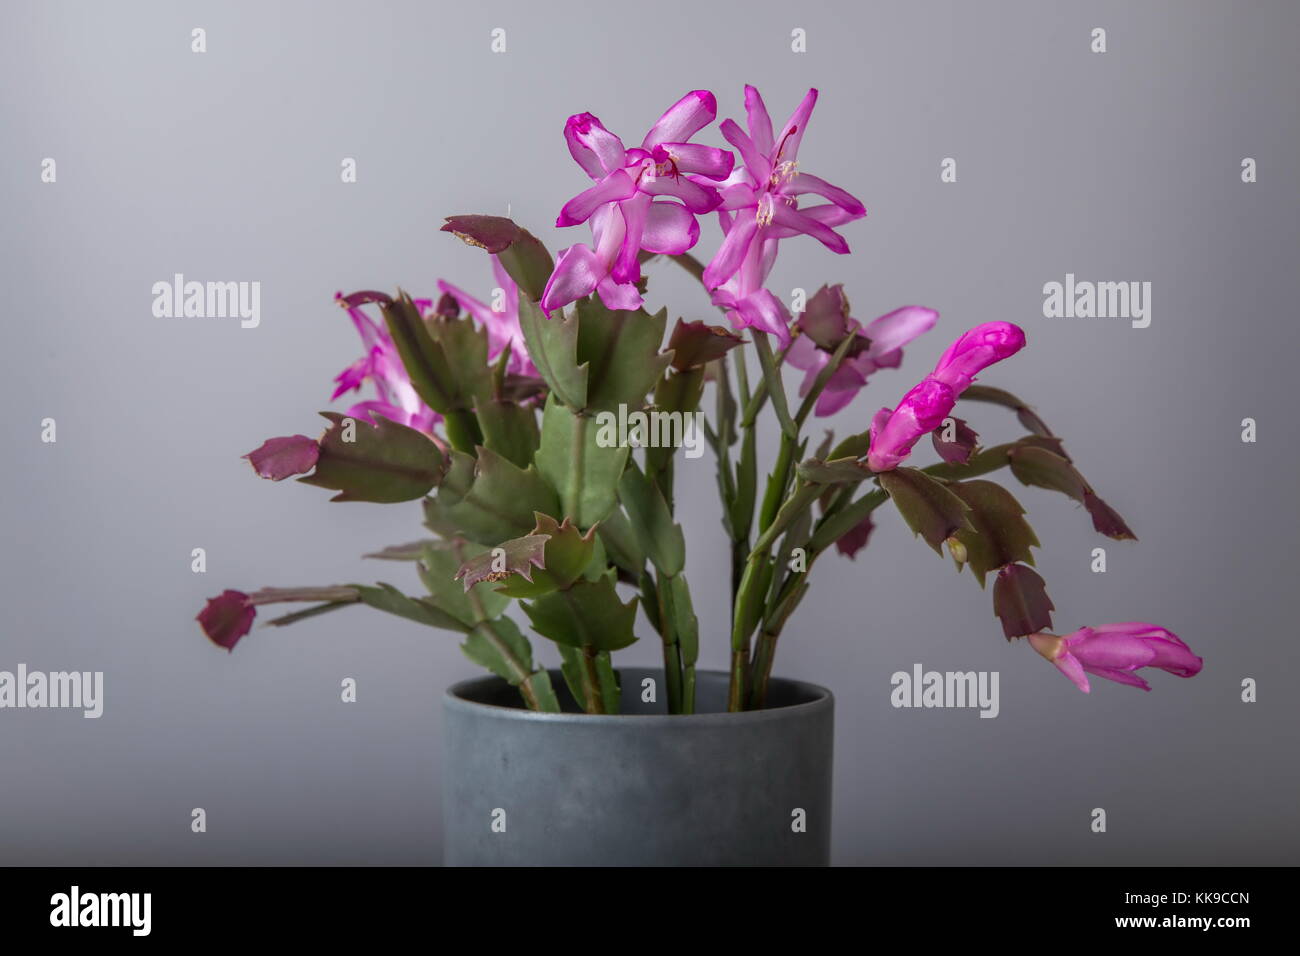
[(641, 788)]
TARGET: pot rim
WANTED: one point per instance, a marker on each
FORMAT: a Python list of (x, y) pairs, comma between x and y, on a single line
[(821, 699)]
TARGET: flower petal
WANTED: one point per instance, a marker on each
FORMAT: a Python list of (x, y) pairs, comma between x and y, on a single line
[(1175, 658), (1113, 651), (791, 218), (699, 199), (1069, 665), (757, 165), (670, 229), (804, 354), (895, 329), (627, 267), (577, 273), (731, 253), (694, 111), (615, 187), (764, 311), (1118, 676), (737, 196), (617, 295), (507, 285), (802, 183), (792, 133), (758, 120), (695, 158), (833, 399), (352, 377), (828, 214), (597, 150)]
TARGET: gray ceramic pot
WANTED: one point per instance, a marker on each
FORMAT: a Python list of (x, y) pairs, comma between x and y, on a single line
[(641, 788)]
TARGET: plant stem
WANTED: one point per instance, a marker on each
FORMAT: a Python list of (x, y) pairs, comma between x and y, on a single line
[(591, 682), (736, 688), (462, 429), (764, 653), (777, 483), (775, 388), (673, 676), (748, 605), (672, 650), (520, 674), (742, 380), (608, 681)]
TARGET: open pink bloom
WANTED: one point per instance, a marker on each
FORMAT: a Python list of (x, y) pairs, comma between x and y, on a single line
[(631, 207), (924, 408), (503, 326), (760, 205), (382, 366), (880, 345), (1115, 652)]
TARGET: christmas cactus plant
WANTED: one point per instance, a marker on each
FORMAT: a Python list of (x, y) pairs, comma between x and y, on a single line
[(540, 430)]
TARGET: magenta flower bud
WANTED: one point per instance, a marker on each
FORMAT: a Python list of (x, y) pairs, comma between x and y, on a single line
[(447, 306), (921, 411), (975, 351), (1115, 652), (924, 408), (226, 618)]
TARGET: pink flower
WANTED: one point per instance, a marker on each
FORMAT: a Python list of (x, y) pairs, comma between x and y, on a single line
[(502, 326), (1115, 652), (975, 351), (760, 205), (826, 322), (625, 214), (924, 408), (382, 366)]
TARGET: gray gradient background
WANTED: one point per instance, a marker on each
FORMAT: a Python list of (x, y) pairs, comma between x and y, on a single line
[(226, 166)]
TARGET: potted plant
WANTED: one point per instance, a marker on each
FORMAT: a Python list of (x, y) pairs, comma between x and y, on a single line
[(542, 430)]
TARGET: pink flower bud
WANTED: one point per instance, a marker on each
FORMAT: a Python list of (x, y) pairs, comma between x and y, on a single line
[(924, 408), (975, 351), (921, 411), (1115, 652), (226, 618)]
